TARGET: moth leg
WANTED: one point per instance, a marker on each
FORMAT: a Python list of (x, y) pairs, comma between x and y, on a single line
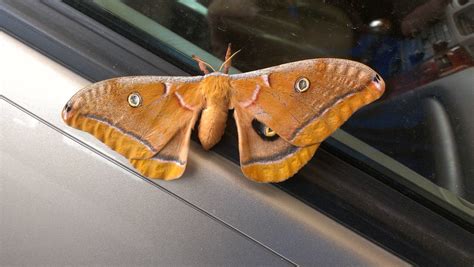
[(202, 65), (228, 57), (227, 60)]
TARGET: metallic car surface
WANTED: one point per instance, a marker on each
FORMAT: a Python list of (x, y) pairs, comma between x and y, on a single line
[(65, 198)]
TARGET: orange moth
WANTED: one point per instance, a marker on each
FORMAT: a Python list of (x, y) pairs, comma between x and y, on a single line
[(282, 114)]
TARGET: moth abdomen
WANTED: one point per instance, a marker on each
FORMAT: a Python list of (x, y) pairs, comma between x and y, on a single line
[(212, 125)]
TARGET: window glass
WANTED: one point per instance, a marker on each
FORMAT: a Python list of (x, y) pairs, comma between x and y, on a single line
[(420, 134)]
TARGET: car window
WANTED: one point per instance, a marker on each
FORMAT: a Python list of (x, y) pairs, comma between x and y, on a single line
[(420, 134)]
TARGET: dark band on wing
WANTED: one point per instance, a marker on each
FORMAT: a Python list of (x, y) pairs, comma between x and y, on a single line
[(115, 126), (275, 157), (327, 107)]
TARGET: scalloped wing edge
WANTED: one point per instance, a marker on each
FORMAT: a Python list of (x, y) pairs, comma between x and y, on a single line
[(332, 118), (279, 170)]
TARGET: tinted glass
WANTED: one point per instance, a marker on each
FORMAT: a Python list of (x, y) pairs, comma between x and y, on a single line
[(420, 134)]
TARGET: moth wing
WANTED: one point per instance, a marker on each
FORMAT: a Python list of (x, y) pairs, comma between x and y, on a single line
[(337, 88), (265, 159), (154, 135), (170, 162)]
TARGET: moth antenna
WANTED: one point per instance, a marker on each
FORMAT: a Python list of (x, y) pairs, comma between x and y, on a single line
[(226, 64), (203, 64)]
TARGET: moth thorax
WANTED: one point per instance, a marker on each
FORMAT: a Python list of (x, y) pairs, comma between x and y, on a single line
[(216, 90)]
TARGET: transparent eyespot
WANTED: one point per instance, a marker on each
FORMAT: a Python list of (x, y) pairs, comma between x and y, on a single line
[(268, 132), (265, 132), (302, 84), (134, 100)]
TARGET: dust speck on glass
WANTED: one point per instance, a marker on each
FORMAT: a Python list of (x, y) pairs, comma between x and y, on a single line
[(420, 134)]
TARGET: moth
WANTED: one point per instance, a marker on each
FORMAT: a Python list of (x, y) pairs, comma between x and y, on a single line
[(282, 113)]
